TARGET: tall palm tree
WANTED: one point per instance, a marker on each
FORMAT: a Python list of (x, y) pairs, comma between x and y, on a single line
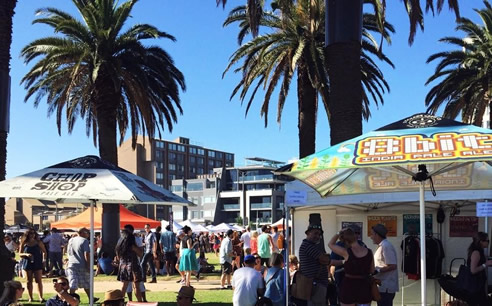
[(295, 44), (7, 8), (464, 75), (106, 75), (343, 56)]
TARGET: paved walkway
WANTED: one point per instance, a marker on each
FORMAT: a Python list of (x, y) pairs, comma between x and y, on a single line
[(171, 285)]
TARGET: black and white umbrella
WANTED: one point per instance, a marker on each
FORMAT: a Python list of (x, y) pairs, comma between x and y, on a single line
[(88, 179)]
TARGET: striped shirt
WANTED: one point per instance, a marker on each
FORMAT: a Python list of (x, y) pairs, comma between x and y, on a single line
[(309, 266)]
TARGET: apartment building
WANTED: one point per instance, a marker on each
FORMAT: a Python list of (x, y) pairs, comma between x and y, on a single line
[(163, 161), (251, 192)]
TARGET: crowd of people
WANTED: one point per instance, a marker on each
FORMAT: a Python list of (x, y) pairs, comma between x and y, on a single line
[(252, 265)]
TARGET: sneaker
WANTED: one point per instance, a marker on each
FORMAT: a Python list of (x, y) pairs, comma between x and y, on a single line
[(229, 286), (95, 299), (223, 287), (179, 281), (153, 281)]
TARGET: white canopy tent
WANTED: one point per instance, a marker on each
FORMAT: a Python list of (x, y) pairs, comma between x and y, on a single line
[(221, 228), (176, 225)]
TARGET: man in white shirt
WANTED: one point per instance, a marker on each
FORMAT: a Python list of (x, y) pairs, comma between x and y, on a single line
[(247, 284), (386, 264), (246, 239)]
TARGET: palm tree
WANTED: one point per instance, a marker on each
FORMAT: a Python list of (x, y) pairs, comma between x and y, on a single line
[(7, 8), (343, 55), (296, 45), (464, 75), (105, 75)]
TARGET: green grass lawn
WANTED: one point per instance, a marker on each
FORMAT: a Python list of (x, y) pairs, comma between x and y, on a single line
[(203, 297)]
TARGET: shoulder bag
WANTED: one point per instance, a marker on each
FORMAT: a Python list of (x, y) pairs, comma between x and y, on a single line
[(468, 281), (263, 300)]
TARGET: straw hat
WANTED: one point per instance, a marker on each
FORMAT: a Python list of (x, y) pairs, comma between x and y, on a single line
[(113, 295)]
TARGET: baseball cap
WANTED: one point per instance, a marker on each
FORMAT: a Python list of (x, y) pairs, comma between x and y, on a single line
[(249, 258)]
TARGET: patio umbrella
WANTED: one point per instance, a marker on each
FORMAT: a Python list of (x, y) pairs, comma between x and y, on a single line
[(88, 179), (402, 157), (176, 225), (18, 228), (221, 228)]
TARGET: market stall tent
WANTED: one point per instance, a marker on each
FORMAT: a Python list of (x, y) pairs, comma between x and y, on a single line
[(126, 217)]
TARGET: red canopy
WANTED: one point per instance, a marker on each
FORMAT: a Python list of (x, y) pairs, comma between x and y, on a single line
[(83, 219)]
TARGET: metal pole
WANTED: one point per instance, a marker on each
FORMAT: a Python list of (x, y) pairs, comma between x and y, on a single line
[(286, 248), (423, 276), (91, 259)]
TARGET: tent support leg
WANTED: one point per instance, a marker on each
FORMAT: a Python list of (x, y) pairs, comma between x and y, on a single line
[(91, 259), (286, 249), (423, 276)]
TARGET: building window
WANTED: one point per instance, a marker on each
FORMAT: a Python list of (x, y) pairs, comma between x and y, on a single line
[(172, 167), (229, 156), (172, 156), (160, 165), (220, 155), (172, 146), (228, 164), (192, 150), (159, 176), (159, 144), (181, 168), (158, 154), (172, 177), (209, 199), (210, 163), (194, 187), (199, 170), (176, 188), (192, 170), (195, 214), (180, 158), (211, 153), (181, 148), (200, 152), (218, 163), (192, 160), (200, 160)]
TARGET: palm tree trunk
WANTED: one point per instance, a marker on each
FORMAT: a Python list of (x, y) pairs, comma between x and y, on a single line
[(345, 91), (343, 36), (6, 15), (307, 104), (106, 120)]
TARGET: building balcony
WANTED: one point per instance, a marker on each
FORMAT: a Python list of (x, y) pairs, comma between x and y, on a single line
[(229, 207), (261, 205)]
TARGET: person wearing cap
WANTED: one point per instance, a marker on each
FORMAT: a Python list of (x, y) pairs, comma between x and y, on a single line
[(186, 295), (385, 261), (63, 297), (225, 259), (113, 297), (314, 264), (79, 262), (247, 284)]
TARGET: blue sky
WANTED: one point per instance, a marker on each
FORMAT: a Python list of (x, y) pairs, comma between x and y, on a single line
[(201, 52)]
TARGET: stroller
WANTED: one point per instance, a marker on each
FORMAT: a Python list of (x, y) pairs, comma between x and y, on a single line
[(448, 283)]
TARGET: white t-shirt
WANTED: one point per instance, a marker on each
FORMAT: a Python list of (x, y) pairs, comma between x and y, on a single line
[(245, 282), (246, 238), (225, 250), (386, 255)]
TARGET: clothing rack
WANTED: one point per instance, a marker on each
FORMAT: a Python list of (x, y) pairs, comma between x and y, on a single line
[(406, 235)]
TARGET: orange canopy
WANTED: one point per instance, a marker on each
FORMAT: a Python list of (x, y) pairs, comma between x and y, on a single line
[(83, 220)]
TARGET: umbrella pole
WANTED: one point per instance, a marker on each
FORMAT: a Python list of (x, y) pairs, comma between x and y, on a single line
[(91, 259), (286, 252), (423, 276)]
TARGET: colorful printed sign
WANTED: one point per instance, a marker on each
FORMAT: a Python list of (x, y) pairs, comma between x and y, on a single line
[(463, 226), (411, 224), (440, 146), (389, 221)]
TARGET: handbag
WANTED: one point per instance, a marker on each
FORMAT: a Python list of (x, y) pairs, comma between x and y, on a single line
[(264, 301), (467, 281), (302, 287), (376, 295)]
